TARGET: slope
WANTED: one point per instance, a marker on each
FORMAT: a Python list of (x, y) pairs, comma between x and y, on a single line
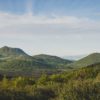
[(88, 60), (52, 60), (15, 59)]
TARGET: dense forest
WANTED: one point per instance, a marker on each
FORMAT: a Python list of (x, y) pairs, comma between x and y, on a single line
[(80, 84)]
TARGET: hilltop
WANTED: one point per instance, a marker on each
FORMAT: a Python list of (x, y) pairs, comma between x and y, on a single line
[(52, 60), (88, 60), (8, 51)]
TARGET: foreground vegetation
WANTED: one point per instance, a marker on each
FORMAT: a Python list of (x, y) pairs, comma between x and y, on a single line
[(82, 84)]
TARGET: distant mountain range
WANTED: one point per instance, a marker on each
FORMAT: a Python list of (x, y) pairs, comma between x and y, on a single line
[(15, 59)]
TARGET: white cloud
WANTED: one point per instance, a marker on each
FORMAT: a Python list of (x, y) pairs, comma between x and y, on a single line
[(27, 23), (58, 35)]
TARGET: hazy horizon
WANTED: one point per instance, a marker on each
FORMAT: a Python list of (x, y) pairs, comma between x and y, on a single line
[(55, 27)]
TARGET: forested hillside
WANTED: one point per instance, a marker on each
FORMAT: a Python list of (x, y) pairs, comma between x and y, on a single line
[(81, 84)]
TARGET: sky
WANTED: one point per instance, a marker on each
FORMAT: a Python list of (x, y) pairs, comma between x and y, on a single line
[(55, 27)]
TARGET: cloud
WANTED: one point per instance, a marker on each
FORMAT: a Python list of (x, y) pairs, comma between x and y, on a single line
[(29, 24), (56, 35)]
